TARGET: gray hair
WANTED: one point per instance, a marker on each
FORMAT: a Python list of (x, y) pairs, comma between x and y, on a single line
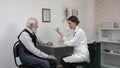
[(29, 23)]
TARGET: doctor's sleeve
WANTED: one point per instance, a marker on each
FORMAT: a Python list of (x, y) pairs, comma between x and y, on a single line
[(73, 40)]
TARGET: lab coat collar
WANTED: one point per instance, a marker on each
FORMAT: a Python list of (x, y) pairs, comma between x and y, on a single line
[(29, 30), (76, 29)]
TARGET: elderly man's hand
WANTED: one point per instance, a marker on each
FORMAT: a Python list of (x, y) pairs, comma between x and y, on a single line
[(49, 43), (52, 57)]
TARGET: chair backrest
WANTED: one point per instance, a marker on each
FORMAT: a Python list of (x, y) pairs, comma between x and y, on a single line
[(16, 52), (92, 50)]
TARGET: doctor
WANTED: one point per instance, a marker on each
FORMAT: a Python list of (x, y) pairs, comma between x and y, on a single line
[(78, 41)]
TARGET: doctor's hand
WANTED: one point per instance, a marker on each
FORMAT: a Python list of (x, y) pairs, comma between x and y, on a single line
[(52, 57), (58, 31), (61, 40), (50, 43)]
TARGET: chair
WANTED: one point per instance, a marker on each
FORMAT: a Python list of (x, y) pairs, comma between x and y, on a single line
[(92, 50), (16, 55)]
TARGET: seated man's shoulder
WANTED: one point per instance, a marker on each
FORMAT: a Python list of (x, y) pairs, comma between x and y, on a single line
[(24, 33)]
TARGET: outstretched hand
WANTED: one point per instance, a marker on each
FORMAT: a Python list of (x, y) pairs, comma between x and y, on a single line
[(58, 31), (61, 40), (50, 43)]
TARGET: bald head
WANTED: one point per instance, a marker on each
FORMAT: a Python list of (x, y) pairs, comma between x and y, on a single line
[(32, 24)]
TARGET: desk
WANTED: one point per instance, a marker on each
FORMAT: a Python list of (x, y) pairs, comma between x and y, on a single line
[(59, 51)]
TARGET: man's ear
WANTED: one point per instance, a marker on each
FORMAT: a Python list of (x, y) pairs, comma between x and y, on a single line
[(28, 24)]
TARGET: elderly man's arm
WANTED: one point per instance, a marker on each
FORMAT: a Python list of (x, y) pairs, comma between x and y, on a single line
[(43, 42), (27, 41)]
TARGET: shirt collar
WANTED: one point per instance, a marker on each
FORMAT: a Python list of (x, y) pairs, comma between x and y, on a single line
[(76, 29), (29, 30)]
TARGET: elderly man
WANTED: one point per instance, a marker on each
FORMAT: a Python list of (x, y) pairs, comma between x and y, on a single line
[(29, 54)]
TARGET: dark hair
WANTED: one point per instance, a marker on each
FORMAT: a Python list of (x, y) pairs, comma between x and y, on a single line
[(74, 19)]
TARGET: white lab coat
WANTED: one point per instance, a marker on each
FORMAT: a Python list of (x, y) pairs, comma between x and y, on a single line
[(79, 42)]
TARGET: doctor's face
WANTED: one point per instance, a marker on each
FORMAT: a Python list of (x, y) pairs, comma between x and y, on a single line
[(71, 24)]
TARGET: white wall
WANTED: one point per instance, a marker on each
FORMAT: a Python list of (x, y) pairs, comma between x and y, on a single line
[(90, 26), (14, 13)]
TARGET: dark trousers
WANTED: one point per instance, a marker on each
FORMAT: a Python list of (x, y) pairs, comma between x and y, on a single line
[(36, 62), (67, 65)]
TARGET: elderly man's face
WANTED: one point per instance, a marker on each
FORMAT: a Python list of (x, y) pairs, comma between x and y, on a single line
[(34, 25)]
